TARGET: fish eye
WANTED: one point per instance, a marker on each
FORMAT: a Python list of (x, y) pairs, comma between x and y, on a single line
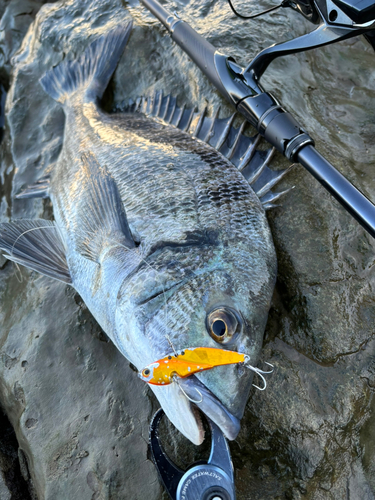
[(146, 372), (223, 324)]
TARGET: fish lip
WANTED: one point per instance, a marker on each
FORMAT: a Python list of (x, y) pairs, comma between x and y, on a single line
[(211, 406)]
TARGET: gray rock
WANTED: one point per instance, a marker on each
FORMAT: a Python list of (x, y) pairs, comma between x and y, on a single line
[(4, 492), (16, 17), (12, 485), (79, 412)]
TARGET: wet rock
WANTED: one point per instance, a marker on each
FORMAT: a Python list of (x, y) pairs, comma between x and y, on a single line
[(16, 17), (78, 411), (4, 492), (13, 486)]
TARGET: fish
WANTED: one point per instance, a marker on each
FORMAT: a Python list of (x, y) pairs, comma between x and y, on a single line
[(187, 362), (160, 226)]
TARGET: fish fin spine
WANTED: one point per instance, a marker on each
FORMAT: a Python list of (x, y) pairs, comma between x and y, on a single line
[(91, 72), (39, 189)]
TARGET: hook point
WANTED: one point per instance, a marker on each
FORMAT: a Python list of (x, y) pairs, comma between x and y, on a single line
[(175, 379)]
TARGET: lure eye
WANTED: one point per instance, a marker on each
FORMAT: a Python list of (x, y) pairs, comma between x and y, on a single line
[(222, 325), (146, 372)]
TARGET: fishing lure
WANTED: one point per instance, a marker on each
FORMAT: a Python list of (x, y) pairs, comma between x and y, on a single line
[(189, 361)]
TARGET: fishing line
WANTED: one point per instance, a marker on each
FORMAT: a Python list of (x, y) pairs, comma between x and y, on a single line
[(172, 346), (20, 279), (284, 3), (158, 279), (51, 226)]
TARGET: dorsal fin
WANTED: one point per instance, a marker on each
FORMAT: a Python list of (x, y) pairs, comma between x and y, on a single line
[(219, 133)]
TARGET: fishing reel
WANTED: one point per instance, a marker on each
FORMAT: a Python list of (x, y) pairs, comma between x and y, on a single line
[(337, 20), (352, 13), (211, 480)]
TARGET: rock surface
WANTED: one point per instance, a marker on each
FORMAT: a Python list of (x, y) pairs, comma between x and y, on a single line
[(78, 410)]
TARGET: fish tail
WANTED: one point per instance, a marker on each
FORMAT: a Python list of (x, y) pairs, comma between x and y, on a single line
[(90, 74)]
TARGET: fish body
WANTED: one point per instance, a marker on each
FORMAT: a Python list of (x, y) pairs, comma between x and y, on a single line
[(187, 362), (160, 234)]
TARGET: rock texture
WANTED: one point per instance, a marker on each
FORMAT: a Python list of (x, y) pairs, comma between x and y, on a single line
[(80, 415)]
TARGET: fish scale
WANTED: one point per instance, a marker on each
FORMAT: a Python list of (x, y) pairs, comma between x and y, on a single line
[(215, 167), (157, 230), (155, 181)]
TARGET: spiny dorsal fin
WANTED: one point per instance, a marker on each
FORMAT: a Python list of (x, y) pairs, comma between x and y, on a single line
[(268, 180), (36, 244), (102, 213), (219, 133)]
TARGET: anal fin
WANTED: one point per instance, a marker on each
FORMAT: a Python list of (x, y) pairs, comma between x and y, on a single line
[(36, 244), (40, 189)]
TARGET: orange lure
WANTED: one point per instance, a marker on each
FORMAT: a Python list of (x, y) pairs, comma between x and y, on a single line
[(187, 362)]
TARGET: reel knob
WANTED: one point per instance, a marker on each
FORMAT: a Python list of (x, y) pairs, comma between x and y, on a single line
[(205, 482)]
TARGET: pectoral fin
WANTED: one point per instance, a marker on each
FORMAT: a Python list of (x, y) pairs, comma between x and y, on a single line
[(102, 214), (36, 244)]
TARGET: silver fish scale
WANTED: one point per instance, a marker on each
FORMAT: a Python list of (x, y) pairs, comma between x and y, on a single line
[(189, 187), (176, 314), (164, 272), (172, 185)]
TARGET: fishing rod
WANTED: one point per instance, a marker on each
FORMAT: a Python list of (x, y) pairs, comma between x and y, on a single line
[(337, 20)]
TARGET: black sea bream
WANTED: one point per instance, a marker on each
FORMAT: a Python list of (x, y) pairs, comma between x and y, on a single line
[(158, 231)]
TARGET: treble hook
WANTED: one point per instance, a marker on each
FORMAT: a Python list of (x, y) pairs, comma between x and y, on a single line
[(258, 371), (269, 364), (175, 379)]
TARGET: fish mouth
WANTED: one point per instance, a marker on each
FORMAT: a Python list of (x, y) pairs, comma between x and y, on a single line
[(176, 401), (211, 406)]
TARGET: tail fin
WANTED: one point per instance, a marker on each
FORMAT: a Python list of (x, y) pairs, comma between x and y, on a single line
[(90, 74)]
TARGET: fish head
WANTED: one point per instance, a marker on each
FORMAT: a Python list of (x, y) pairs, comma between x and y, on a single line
[(222, 304), (232, 315)]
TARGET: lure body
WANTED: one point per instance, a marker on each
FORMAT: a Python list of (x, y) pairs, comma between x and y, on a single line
[(187, 362)]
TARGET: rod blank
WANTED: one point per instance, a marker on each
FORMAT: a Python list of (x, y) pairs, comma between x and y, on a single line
[(356, 203)]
